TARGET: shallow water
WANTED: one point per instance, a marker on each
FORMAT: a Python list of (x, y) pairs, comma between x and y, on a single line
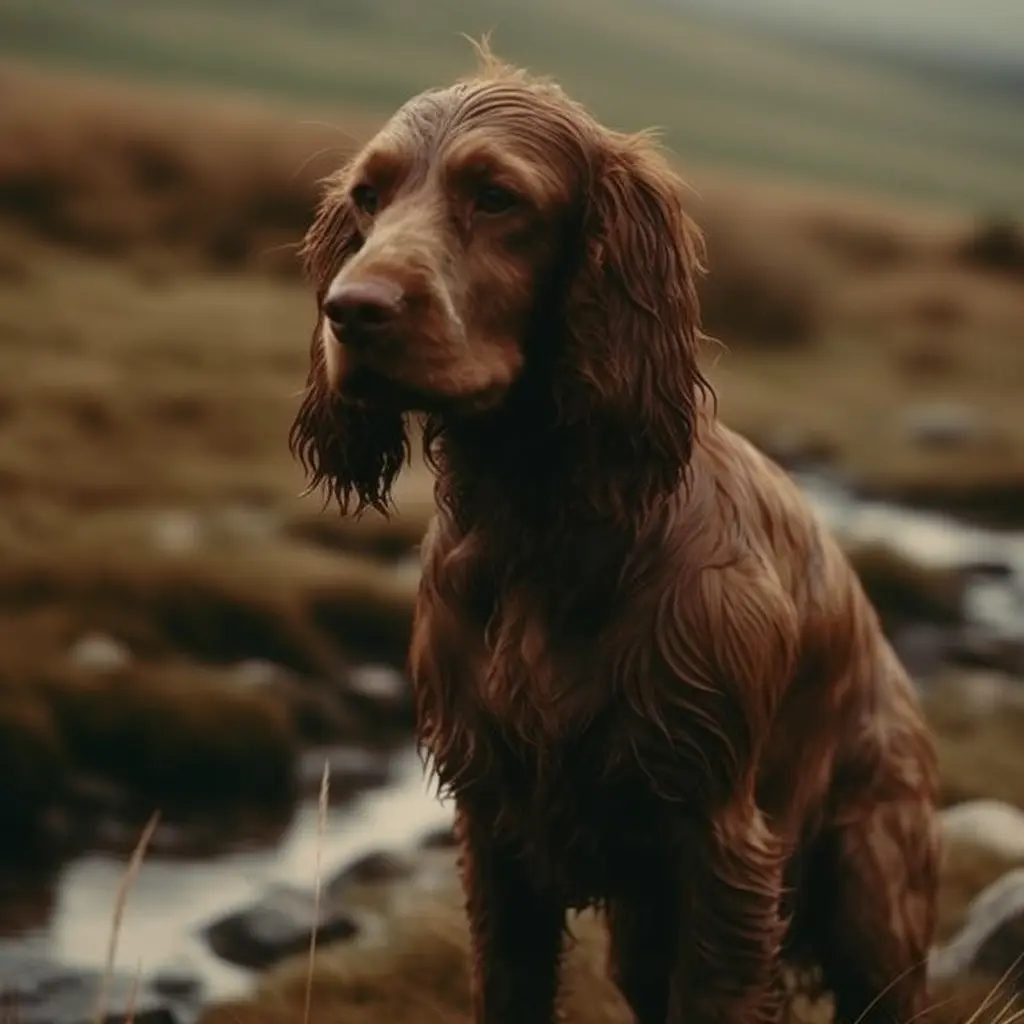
[(994, 599), (171, 900)]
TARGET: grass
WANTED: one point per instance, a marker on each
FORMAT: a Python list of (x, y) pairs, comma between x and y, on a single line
[(980, 753), (861, 310), (724, 95)]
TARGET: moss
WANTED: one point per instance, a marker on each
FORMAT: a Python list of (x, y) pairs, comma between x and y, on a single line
[(759, 291), (33, 762), (284, 604), (996, 244), (178, 738)]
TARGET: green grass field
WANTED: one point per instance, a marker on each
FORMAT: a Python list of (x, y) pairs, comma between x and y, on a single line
[(723, 96)]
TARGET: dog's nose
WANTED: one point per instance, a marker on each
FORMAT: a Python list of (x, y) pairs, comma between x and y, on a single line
[(355, 308)]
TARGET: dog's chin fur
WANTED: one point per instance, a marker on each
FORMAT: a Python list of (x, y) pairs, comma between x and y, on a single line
[(370, 388)]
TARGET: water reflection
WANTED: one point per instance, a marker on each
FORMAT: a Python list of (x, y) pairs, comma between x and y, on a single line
[(995, 596), (171, 899)]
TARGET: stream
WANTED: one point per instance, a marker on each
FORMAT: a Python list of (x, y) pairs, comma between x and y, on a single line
[(171, 899)]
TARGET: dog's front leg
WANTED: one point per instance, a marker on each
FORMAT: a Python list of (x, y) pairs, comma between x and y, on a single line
[(728, 969), (515, 926)]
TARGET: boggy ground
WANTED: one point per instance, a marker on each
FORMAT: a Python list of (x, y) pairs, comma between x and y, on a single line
[(417, 967), (160, 578)]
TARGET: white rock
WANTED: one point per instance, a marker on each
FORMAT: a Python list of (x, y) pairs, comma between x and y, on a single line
[(378, 682), (408, 571), (177, 533), (942, 424), (245, 523), (99, 652), (990, 824), (256, 672)]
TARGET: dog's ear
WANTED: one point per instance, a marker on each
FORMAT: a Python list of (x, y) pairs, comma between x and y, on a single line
[(353, 452), (628, 362)]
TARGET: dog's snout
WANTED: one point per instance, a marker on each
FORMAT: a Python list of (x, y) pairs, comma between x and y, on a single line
[(355, 308)]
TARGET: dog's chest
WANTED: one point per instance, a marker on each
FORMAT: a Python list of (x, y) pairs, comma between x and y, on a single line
[(558, 752), (539, 680), (581, 814)]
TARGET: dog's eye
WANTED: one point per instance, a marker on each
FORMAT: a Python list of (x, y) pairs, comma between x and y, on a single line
[(495, 199), (366, 198)]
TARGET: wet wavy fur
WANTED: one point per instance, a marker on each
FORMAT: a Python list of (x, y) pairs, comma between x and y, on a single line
[(352, 453), (646, 674)]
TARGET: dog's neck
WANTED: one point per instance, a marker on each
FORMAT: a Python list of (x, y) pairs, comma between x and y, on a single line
[(548, 507)]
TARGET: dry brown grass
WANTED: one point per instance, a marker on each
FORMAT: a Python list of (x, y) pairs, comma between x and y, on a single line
[(131, 873), (980, 750), (116, 171)]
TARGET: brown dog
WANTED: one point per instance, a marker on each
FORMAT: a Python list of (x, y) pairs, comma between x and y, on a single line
[(646, 673)]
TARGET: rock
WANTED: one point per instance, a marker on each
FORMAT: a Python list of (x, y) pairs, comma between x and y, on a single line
[(257, 672), (277, 926), (373, 868), (350, 770), (439, 839), (991, 939), (383, 688), (246, 523), (318, 711), (943, 424), (989, 824), (976, 647), (989, 568), (177, 533), (180, 980), (98, 652), (39, 991), (794, 448), (922, 647), (409, 569)]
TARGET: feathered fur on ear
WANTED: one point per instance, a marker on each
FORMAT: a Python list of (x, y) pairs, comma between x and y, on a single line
[(352, 452), (629, 372)]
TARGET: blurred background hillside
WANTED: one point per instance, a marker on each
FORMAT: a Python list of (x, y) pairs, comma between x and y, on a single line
[(180, 632), (921, 100)]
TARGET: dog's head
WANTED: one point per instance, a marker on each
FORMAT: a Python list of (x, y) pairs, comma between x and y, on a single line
[(490, 232)]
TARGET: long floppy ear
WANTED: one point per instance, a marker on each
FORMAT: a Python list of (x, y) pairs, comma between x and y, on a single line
[(628, 370), (352, 452)]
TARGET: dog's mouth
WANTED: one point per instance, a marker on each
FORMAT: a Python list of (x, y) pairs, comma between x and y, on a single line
[(372, 388), (364, 385)]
